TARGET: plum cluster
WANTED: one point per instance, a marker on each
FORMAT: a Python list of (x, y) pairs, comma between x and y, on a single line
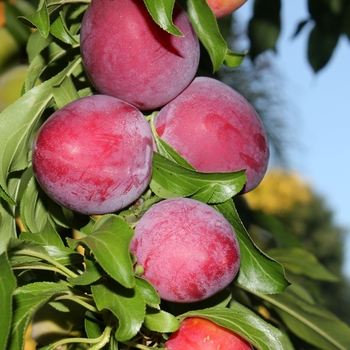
[(94, 155)]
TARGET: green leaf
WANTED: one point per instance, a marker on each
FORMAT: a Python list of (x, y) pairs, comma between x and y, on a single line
[(234, 59), (207, 29), (245, 323), (64, 256), (8, 227), (7, 286), (65, 92), (148, 293), (60, 31), (161, 321), (264, 27), (172, 180), (310, 321), (92, 273), (301, 262), (258, 272), (321, 45), (32, 209), (39, 20), (162, 13), (126, 304), (110, 242), (18, 121), (27, 300), (48, 236)]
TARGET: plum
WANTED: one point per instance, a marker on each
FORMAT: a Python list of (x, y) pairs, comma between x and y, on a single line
[(215, 129), (223, 8), (197, 333), (94, 155), (127, 55), (188, 250)]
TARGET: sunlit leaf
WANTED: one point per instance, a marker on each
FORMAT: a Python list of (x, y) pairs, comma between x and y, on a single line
[(160, 321)]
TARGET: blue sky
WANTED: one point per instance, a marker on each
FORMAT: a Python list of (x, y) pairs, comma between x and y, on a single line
[(321, 104)]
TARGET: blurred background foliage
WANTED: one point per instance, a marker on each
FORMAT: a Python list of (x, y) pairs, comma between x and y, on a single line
[(287, 199)]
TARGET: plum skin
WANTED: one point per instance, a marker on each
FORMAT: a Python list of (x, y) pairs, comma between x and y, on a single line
[(94, 155), (223, 8), (197, 333), (188, 250), (215, 129), (127, 55)]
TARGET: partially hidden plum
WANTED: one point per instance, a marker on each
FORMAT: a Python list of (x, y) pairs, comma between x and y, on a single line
[(127, 55), (188, 250), (223, 8), (94, 155), (197, 333), (216, 130)]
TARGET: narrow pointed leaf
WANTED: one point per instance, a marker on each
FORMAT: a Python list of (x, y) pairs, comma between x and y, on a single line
[(258, 272), (7, 286), (162, 13)]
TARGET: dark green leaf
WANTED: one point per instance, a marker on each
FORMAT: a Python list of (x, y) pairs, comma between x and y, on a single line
[(64, 256), (7, 286), (93, 326), (171, 180), (125, 303), (258, 272), (264, 27), (162, 13), (92, 273), (161, 321), (110, 242), (206, 27), (27, 300), (301, 262), (310, 321), (245, 323), (321, 45)]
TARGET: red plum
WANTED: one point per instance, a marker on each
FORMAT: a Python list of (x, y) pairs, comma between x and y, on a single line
[(127, 55), (216, 130), (188, 250), (94, 155)]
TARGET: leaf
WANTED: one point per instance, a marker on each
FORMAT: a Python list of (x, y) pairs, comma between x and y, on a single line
[(18, 121), (92, 273), (234, 59), (310, 321), (27, 300), (245, 323), (258, 272), (301, 262), (148, 292), (7, 286), (39, 20), (162, 13), (32, 209), (264, 27), (60, 31), (321, 45), (65, 92), (48, 236), (8, 227), (126, 304), (161, 321), (171, 180), (207, 29), (64, 256), (110, 242)]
